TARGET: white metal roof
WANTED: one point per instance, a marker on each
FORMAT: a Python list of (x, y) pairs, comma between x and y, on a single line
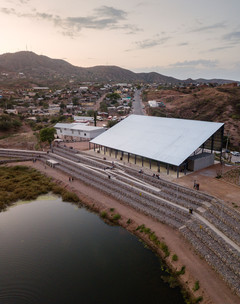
[(63, 125), (76, 126), (68, 125), (167, 140), (85, 128)]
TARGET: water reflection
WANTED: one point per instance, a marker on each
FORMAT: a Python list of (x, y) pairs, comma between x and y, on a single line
[(55, 252)]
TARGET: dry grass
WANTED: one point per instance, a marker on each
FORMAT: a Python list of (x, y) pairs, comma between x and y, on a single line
[(232, 176), (24, 183)]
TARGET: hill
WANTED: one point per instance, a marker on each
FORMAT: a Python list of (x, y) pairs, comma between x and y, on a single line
[(24, 66), (220, 104)]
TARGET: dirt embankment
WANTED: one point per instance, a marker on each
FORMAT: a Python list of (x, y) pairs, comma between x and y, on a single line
[(212, 287), (24, 138)]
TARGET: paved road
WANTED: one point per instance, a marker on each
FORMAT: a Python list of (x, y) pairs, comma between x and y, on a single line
[(137, 104)]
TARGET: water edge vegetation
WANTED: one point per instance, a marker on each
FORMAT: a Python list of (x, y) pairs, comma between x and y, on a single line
[(24, 183)]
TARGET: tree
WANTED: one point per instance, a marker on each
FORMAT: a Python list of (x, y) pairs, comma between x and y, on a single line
[(111, 123), (47, 134), (113, 96), (90, 112)]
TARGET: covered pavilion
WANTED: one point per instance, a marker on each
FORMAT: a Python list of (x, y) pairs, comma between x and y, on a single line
[(166, 142)]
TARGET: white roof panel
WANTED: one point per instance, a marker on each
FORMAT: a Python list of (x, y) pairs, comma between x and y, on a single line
[(167, 140), (63, 125), (85, 127), (76, 126)]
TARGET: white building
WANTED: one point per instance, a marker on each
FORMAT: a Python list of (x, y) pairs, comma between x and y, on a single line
[(153, 103), (83, 119), (77, 131), (83, 88)]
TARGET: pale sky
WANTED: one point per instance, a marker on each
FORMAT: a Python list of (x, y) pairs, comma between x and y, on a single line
[(179, 38)]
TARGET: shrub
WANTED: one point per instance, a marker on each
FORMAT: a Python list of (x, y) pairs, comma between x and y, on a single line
[(57, 190), (116, 217), (171, 280), (103, 214), (199, 299), (174, 258), (196, 286), (70, 197), (182, 271), (153, 237), (129, 221), (165, 249)]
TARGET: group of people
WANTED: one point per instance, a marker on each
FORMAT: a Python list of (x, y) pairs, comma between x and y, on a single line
[(70, 179)]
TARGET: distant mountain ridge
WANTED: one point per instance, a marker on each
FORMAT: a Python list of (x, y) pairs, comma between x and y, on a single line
[(39, 67)]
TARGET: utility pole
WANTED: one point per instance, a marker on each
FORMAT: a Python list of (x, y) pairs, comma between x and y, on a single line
[(227, 141)]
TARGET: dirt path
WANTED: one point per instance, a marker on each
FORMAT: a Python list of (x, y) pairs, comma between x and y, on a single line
[(212, 287), (97, 105)]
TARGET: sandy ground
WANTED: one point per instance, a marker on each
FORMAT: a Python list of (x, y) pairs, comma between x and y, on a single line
[(219, 188), (212, 287)]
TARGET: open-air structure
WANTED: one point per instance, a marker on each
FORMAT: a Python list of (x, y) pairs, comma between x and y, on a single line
[(176, 144)]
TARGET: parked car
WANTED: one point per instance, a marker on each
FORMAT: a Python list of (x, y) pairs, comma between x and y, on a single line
[(235, 153)]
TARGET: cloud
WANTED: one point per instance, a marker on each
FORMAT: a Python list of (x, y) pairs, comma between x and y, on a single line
[(8, 11), (24, 1), (103, 17), (149, 43), (209, 27), (195, 63), (220, 48), (183, 44), (110, 12), (233, 37)]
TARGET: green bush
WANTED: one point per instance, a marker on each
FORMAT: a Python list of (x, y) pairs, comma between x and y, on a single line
[(165, 249), (182, 271), (196, 286), (199, 299), (70, 197), (103, 214), (174, 258), (116, 217)]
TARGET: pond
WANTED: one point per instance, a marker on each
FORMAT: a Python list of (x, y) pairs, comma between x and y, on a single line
[(56, 252)]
